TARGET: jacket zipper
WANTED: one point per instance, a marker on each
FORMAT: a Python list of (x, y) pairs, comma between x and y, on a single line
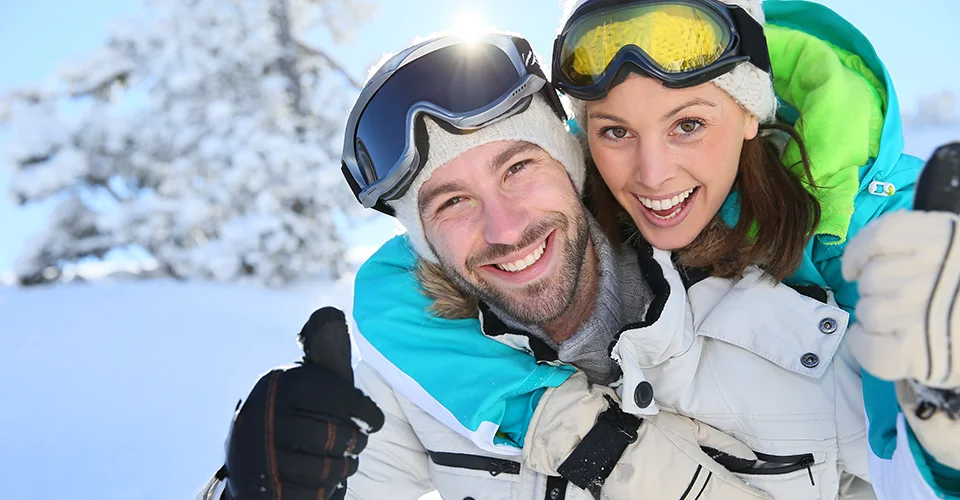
[(789, 463), (495, 466)]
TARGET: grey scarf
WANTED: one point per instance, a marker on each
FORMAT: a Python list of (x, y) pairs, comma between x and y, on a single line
[(622, 298)]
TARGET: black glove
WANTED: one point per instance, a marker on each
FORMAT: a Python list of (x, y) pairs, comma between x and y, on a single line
[(300, 431)]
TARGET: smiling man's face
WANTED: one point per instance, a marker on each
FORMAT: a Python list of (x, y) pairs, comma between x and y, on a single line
[(507, 225)]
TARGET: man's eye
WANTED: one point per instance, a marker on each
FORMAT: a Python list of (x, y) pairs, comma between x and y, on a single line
[(449, 203), (517, 167)]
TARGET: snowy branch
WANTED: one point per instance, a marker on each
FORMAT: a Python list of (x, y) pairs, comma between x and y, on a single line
[(95, 74), (331, 62), (210, 145)]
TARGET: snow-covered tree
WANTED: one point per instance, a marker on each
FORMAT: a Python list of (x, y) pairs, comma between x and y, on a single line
[(205, 133)]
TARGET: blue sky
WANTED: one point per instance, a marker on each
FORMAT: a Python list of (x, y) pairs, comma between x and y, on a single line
[(35, 37)]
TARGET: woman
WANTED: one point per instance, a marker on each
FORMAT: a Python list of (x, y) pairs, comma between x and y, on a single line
[(679, 174)]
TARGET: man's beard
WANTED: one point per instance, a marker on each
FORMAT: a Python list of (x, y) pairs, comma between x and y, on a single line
[(551, 295)]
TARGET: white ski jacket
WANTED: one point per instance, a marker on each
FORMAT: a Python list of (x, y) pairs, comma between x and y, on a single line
[(414, 453), (753, 358), (762, 362)]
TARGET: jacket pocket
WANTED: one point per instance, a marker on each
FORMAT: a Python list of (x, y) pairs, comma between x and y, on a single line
[(785, 476), (463, 475), (495, 466)]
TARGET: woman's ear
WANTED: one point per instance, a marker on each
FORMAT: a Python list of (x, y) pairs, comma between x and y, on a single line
[(751, 127)]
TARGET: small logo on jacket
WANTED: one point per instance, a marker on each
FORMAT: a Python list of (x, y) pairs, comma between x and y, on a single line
[(878, 188)]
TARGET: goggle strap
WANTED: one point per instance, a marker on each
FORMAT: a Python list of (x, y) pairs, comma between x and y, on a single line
[(354, 186), (753, 42), (379, 206), (533, 68)]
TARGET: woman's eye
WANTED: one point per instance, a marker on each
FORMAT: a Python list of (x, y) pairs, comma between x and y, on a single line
[(688, 126), (615, 132)]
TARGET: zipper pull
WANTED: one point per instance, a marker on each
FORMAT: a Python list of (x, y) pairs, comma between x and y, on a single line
[(808, 463)]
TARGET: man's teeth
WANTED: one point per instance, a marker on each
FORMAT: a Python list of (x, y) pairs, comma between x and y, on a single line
[(529, 260), (666, 204)]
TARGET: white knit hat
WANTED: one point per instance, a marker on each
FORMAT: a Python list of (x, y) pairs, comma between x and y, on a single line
[(538, 125), (747, 84)]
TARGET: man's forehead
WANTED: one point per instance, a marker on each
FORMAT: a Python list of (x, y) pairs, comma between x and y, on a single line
[(486, 157), (475, 163), (480, 161)]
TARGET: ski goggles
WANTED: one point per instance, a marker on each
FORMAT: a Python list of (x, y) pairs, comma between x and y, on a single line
[(464, 84), (682, 43)]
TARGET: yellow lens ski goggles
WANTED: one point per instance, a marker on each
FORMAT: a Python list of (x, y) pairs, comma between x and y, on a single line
[(682, 43)]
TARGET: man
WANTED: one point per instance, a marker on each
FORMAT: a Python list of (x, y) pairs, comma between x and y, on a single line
[(487, 181)]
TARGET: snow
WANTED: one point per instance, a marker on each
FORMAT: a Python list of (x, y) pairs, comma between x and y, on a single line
[(126, 390), (65, 168), (94, 71), (38, 132), (192, 135), (122, 389)]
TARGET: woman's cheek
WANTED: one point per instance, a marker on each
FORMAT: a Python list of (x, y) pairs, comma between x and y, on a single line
[(614, 167)]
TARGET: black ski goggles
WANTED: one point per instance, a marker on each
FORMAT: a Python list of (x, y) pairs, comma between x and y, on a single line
[(682, 43), (466, 84)]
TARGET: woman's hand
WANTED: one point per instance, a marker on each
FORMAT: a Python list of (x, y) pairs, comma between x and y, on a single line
[(907, 265)]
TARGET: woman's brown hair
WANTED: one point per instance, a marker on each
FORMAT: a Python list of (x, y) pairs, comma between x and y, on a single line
[(778, 214)]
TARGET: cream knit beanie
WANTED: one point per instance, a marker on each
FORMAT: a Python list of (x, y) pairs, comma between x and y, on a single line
[(747, 84), (538, 125)]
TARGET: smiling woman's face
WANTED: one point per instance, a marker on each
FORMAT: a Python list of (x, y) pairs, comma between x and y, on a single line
[(669, 156)]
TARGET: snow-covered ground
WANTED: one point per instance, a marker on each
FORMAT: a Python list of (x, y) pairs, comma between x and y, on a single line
[(124, 390)]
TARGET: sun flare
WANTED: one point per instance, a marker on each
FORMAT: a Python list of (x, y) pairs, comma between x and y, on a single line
[(469, 24)]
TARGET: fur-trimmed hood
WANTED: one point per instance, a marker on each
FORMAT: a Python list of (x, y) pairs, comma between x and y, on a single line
[(449, 302)]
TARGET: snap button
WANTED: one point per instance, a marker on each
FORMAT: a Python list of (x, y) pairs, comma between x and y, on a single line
[(810, 360), (555, 494), (828, 325), (643, 394)]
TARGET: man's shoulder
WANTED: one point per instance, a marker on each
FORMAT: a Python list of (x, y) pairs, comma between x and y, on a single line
[(387, 280)]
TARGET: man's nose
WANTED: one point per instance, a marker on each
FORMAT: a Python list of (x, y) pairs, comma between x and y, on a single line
[(505, 220)]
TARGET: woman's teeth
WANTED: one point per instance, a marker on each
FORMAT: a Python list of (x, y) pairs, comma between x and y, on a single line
[(666, 204), (525, 262), (668, 217)]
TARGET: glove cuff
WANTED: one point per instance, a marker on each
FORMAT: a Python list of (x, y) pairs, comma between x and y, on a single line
[(935, 430), (563, 418), (593, 459)]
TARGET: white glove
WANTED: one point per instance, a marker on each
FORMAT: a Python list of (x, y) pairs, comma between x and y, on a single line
[(907, 265), (664, 461)]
